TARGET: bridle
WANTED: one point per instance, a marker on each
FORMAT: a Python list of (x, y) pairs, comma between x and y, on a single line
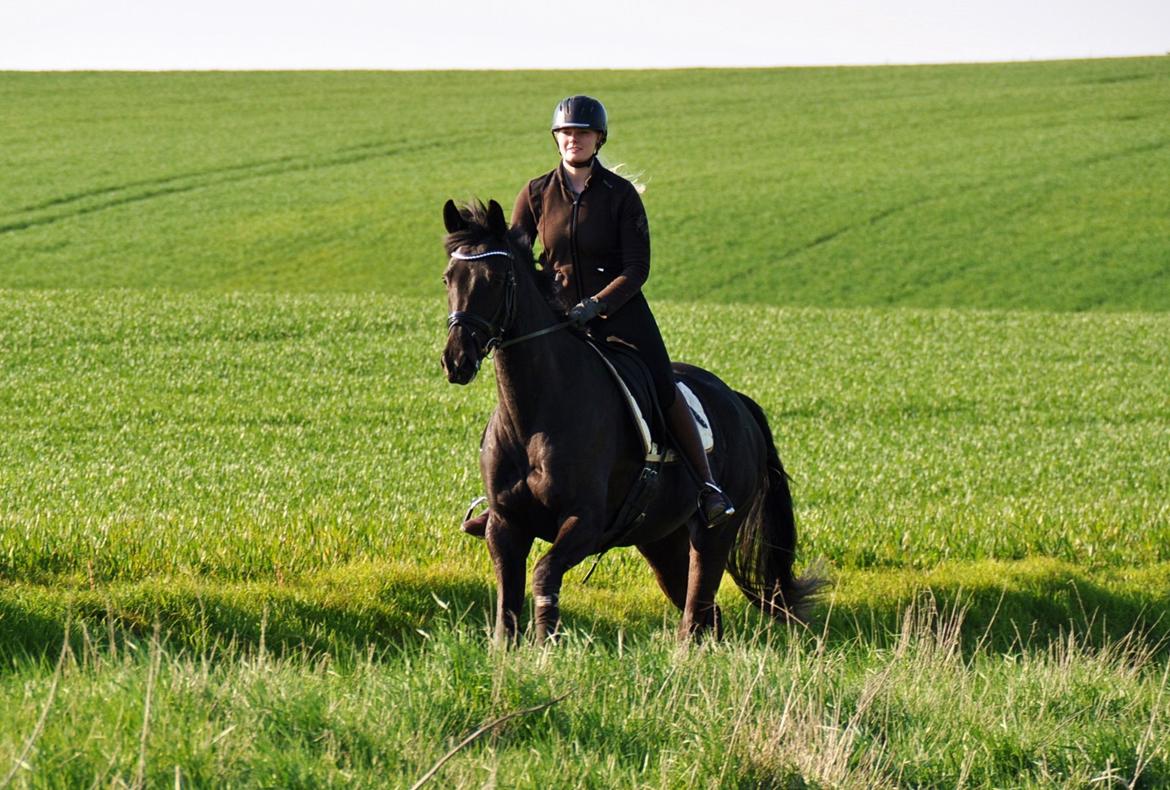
[(505, 314), (501, 321)]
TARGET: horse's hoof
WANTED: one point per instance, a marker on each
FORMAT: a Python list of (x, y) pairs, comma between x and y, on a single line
[(476, 527)]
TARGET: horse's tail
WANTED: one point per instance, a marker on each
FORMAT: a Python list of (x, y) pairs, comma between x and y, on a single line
[(761, 560)]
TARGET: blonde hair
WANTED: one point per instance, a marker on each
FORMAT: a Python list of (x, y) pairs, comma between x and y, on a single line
[(622, 170)]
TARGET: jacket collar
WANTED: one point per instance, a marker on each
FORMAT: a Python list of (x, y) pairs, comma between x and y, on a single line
[(596, 173)]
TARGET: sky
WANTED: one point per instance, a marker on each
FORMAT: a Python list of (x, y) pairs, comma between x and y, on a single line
[(565, 34)]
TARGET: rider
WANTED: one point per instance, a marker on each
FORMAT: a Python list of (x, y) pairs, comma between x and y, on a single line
[(592, 226)]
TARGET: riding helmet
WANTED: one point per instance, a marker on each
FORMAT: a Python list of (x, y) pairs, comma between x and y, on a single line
[(581, 112)]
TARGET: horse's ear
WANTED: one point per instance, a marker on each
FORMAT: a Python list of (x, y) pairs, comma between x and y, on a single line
[(452, 218), (496, 223)]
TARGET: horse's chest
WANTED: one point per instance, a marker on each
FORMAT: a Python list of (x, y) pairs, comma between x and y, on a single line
[(528, 477), (539, 478)]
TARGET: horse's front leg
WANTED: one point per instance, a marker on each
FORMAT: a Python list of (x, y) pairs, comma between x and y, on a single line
[(708, 559), (578, 537), (509, 549)]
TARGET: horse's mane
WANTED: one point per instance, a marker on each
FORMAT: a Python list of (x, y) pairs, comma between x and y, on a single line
[(477, 233)]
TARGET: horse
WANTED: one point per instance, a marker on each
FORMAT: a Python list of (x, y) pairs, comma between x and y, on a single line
[(556, 465)]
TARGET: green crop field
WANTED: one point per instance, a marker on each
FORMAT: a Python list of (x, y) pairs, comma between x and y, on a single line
[(231, 470)]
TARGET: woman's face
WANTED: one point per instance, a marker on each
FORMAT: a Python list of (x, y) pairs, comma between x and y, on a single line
[(577, 146)]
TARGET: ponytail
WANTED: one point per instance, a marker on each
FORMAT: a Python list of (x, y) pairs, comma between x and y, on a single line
[(621, 170)]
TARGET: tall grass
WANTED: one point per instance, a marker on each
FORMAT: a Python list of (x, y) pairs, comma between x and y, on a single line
[(768, 709), (372, 605)]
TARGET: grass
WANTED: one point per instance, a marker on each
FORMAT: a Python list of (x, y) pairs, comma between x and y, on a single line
[(273, 480), (230, 471), (256, 435), (1027, 186), (760, 710), (371, 605)]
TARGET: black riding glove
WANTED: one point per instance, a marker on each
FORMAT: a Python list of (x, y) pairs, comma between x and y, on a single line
[(585, 311)]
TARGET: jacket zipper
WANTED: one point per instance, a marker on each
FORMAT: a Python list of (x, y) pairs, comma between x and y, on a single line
[(577, 272)]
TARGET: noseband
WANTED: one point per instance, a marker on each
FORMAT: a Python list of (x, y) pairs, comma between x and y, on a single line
[(505, 314)]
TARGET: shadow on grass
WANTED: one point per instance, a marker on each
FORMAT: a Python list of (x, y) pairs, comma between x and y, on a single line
[(365, 609), (1003, 606), (337, 613)]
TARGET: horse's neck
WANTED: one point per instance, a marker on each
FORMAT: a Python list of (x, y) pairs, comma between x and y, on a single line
[(532, 311), (535, 376)]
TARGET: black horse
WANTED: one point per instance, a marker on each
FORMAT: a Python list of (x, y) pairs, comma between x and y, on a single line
[(559, 454)]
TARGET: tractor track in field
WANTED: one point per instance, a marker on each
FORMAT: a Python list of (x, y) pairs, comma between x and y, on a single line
[(826, 238), (1125, 153), (884, 214), (138, 191)]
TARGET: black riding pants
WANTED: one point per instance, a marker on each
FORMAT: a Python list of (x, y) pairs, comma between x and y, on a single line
[(634, 324)]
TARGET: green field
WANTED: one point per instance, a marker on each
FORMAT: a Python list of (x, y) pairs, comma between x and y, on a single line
[(231, 470), (1038, 186)]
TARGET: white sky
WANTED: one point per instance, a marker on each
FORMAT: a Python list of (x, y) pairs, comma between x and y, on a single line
[(416, 34)]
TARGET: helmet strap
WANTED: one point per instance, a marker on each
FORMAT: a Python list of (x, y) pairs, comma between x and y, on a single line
[(586, 165)]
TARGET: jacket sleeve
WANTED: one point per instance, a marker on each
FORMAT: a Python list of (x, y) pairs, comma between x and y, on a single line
[(634, 249), (523, 216)]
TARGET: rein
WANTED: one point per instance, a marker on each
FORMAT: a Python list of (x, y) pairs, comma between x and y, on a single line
[(500, 323)]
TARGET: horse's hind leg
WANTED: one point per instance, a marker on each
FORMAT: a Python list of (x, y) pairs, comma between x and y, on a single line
[(669, 557), (708, 559)]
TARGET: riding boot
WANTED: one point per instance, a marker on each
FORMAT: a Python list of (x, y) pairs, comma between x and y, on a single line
[(476, 527), (713, 506)]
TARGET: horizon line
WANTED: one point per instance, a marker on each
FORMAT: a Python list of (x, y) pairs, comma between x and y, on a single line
[(444, 69)]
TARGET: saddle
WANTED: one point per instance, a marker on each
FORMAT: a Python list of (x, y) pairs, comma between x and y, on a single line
[(637, 387), (632, 378)]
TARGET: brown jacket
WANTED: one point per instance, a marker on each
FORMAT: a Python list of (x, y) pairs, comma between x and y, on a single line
[(598, 243)]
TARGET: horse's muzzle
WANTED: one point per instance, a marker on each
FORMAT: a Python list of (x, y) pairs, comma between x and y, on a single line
[(460, 358)]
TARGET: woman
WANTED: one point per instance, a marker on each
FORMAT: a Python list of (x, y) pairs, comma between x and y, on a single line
[(596, 240)]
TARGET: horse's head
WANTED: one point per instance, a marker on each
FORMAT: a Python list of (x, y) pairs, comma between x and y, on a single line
[(481, 285)]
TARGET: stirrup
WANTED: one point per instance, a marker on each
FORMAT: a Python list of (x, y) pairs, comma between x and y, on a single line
[(714, 506), (477, 526)]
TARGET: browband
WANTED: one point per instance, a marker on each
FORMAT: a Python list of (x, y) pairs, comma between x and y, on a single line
[(462, 256)]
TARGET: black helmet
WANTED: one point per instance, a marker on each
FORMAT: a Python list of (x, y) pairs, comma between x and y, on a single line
[(581, 112)]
